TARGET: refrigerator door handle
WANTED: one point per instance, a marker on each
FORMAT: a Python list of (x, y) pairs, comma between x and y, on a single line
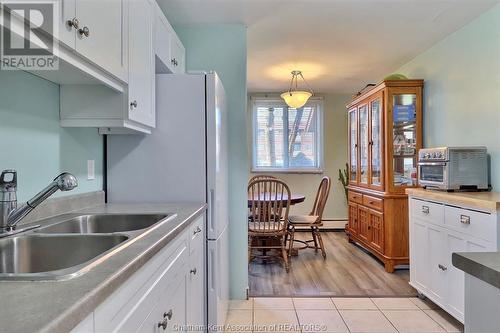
[(212, 210), (211, 268)]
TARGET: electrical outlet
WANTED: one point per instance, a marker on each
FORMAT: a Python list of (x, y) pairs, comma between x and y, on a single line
[(90, 169)]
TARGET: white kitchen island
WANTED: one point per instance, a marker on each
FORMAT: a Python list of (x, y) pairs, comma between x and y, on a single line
[(444, 223)]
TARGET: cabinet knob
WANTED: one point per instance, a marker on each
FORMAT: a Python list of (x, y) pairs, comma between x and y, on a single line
[(133, 104), (442, 267), (166, 317), (425, 209), (197, 230), (174, 62), (85, 31), (193, 271), (73, 23)]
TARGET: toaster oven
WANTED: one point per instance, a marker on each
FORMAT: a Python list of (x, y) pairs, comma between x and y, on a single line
[(453, 168)]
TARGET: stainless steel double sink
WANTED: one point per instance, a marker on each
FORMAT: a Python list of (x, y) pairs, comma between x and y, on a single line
[(71, 246)]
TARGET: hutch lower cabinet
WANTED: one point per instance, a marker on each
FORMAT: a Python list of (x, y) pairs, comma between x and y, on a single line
[(385, 133)]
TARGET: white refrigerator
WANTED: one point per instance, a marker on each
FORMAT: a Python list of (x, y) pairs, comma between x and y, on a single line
[(183, 160)]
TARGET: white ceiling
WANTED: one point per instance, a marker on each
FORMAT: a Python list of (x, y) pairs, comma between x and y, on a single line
[(340, 45)]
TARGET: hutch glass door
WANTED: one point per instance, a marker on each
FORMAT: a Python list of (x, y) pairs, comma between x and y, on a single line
[(353, 146), (376, 143), (404, 139), (363, 144)]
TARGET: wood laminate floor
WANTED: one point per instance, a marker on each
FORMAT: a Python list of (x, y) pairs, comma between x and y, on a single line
[(348, 271)]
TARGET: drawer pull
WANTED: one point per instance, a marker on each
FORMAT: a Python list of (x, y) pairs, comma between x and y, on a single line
[(193, 271), (425, 209), (166, 317), (197, 230), (464, 219), (442, 267)]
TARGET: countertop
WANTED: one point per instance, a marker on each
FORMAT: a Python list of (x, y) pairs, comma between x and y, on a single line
[(489, 201), (483, 265), (58, 306)]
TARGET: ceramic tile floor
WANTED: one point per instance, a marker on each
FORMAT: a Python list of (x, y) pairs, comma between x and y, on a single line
[(332, 315)]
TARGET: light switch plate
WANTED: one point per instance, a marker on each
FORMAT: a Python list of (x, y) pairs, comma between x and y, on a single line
[(90, 169)]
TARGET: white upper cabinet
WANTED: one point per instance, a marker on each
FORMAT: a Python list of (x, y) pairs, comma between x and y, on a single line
[(169, 51), (101, 35), (141, 62), (133, 35), (67, 18)]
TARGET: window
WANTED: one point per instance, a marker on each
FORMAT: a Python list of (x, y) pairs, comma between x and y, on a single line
[(287, 139)]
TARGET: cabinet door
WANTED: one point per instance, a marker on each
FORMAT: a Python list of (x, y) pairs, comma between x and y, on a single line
[(404, 126), (196, 279), (104, 45), (178, 55), (376, 143), (353, 219), (363, 144), (353, 146), (419, 254), (67, 34), (364, 223), (457, 242), (169, 315), (377, 230), (141, 62), (436, 237)]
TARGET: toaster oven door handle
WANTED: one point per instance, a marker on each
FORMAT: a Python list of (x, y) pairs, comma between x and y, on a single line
[(432, 163)]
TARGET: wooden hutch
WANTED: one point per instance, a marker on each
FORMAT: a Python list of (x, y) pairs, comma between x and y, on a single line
[(385, 134)]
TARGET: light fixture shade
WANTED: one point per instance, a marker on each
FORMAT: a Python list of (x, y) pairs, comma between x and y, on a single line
[(297, 98)]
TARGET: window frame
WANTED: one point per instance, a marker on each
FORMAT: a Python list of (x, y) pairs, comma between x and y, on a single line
[(269, 101)]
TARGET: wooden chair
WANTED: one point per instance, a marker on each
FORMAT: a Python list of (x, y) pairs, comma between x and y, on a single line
[(259, 177), (268, 219), (314, 220)]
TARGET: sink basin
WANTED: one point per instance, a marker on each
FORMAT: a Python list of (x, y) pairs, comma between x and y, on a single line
[(51, 257), (103, 223)]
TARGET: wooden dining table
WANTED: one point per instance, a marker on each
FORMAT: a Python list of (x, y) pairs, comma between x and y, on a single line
[(294, 198)]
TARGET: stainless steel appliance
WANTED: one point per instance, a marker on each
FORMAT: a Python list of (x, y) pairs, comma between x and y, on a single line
[(453, 168)]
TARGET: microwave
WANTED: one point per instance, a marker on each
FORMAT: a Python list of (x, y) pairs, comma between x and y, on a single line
[(453, 168)]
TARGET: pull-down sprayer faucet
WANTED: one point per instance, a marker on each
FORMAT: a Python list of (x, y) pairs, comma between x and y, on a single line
[(10, 214)]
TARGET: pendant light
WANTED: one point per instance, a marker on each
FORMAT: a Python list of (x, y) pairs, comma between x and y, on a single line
[(294, 97)]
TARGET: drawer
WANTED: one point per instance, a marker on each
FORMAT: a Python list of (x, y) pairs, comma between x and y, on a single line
[(427, 211), (196, 235), (373, 202), (132, 303), (473, 223), (355, 197)]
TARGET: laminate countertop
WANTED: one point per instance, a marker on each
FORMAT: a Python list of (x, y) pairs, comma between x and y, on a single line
[(58, 306), (483, 265), (489, 201)]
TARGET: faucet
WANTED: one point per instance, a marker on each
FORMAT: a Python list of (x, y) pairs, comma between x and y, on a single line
[(10, 214)]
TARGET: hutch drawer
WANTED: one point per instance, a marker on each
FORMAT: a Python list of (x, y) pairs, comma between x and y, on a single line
[(373, 202)]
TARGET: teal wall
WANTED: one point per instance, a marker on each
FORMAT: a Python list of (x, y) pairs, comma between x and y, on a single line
[(223, 48), (33, 143), (462, 88)]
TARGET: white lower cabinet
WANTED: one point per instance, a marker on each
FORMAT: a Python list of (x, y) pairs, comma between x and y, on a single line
[(165, 295), (196, 293), (437, 230)]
